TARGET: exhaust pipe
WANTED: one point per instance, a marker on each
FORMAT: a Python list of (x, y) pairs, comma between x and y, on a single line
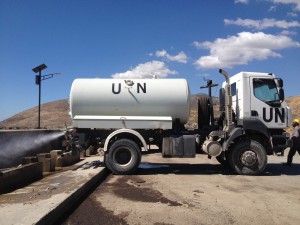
[(225, 74), (228, 103)]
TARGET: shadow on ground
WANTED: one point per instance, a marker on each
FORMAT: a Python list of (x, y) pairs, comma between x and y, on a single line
[(277, 169), (272, 169)]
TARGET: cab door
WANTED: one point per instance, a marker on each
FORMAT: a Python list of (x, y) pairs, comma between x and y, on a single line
[(265, 103)]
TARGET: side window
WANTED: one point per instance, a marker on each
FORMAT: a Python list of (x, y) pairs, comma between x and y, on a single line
[(265, 90), (233, 89)]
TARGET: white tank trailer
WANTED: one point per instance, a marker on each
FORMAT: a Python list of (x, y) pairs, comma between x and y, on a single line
[(126, 117), (134, 104)]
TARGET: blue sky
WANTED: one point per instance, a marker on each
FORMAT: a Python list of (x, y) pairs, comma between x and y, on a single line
[(136, 38)]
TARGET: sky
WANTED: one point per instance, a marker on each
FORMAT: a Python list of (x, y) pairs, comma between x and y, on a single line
[(189, 39)]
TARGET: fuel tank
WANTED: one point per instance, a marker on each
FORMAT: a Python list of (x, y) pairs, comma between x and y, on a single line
[(132, 97)]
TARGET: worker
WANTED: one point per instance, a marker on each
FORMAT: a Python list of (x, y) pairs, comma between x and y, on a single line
[(295, 137)]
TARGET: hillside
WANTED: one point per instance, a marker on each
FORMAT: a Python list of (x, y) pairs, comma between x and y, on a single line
[(55, 115), (294, 103)]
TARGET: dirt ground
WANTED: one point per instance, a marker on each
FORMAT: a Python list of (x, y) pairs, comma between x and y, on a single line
[(195, 191)]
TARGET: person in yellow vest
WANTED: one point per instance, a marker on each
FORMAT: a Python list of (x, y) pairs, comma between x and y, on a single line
[(295, 137)]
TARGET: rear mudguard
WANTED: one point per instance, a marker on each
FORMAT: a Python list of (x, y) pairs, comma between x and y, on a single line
[(128, 131)]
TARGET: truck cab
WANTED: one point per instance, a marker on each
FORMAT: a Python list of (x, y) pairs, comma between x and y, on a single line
[(259, 108)]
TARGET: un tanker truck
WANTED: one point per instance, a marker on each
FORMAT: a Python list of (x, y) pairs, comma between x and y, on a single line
[(128, 116)]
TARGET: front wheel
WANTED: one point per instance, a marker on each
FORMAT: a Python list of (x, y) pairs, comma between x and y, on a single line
[(223, 159), (248, 157), (123, 157)]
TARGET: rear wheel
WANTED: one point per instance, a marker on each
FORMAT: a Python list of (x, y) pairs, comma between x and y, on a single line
[(123, 157), (248, 157)]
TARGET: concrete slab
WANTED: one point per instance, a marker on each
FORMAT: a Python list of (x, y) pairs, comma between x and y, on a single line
[(44, 201)]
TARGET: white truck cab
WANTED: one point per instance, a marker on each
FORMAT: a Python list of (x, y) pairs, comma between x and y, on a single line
[(259, 107), (256, 97)]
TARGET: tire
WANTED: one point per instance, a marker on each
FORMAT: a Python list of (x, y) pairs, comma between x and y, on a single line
[(248, 157), (203, 111), (222, 161), (123, 157)]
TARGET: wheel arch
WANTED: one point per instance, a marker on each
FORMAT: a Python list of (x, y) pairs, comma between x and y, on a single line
[(239, 133), (234, 134), (127, 134), (261, 138)]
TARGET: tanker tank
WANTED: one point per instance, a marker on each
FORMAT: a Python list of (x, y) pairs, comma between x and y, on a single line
[(92, 100)]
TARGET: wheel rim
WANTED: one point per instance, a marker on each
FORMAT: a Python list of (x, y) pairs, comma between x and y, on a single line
[(122, 156), (249, 158)]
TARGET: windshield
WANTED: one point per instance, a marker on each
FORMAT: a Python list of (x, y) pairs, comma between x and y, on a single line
[(265, 90)]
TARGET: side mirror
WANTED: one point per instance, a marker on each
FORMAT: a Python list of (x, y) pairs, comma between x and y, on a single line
[(281, 94), (280, 82)]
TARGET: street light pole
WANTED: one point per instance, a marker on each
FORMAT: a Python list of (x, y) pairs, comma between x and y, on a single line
[(38, 81), (40, 88)]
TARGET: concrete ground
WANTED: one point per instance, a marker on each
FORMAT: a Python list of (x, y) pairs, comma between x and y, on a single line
[(44, 201), (194, 191)]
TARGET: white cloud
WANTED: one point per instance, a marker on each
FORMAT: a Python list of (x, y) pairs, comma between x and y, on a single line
[(241, 1), (242, 48), (292, 14), (288, 33), (294, 2), (273, 8), (147, 70), (262, 24), (180, 57)]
